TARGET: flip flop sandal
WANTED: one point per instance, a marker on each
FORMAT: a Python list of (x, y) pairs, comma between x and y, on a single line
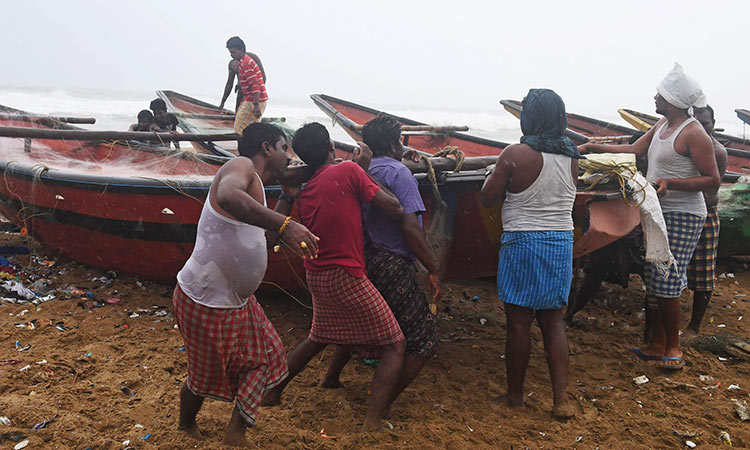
[(680, 363), (639, 355)]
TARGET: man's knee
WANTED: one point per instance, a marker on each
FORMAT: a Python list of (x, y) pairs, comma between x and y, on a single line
[(396, 347)]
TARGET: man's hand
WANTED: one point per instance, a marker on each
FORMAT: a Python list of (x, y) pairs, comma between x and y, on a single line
[(661, 185), (435, 282), (584, 148), (256, 111), (412, 155), (291, 190), (364, 156), (301, 240)]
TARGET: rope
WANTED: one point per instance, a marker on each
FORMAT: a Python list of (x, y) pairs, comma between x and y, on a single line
[(621, 172), (287, 293), (448, 150)]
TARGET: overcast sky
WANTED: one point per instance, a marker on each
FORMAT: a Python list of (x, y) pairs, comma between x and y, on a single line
[(423, 54)]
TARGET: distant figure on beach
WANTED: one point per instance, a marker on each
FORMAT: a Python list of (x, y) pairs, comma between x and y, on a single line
[(252, 86), (347, 309), (233, 72), (233, 350), (536, 183), (145, 122), (391, 249), (165, 121), (681, 165), (701, 272)]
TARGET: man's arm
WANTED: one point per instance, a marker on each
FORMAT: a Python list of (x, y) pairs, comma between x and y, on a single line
[(388, 204), (417, 243), (228, 86), (496, 184), (237, 177), (701, 151), (639, 147)]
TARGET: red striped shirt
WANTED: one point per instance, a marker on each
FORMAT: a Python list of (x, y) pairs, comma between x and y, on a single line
[(251, 79)]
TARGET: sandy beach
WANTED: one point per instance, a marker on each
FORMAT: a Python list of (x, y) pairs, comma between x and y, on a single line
[(113, 372)]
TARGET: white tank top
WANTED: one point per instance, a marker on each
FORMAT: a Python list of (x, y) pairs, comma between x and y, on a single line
[(546, 205), (665, 162), (228, 262)]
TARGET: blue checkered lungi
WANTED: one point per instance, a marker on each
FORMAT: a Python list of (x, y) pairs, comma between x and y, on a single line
[(683, 232), (535, 268)]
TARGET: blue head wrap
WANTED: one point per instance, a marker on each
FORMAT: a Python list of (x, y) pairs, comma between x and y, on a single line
[(543, 123)]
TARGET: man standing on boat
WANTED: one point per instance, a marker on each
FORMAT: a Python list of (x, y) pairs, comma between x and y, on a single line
[(391, 250), (347, 309), (233, 351), (681, 164), (701, 271), (536, 183), (252, 86), (233, 73)]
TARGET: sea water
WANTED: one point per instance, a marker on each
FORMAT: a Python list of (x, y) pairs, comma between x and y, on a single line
[(116, 110)]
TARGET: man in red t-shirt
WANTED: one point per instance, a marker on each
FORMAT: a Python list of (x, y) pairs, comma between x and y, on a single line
[(252, 86), (347, 309)]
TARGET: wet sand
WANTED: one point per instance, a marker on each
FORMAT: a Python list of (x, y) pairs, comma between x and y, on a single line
[(105, 383)]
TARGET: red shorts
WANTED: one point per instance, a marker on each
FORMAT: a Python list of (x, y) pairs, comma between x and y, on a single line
[(233, 354)]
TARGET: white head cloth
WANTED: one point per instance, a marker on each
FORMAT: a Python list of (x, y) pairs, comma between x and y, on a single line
[(680, 90)]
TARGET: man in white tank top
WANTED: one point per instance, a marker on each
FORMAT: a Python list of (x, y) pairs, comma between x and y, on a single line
[(536, 183), (681, 165), (233, 350)]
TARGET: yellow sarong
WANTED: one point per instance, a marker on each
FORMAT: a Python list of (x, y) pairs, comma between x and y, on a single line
[(245, 116)]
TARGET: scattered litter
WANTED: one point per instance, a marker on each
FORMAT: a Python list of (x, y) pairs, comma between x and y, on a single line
[(730, 275), (21, 444), (643, 379), (126, 442), (482, 321), (113, 300), (542, 433), (138, 425), (471, 430), (24, 368), (740, 407), (579, 439), (4, 421), (725, 438), (21, 348), (734, 387), (148, 435), (43, 424), (677, 384), (163, 313), (607, 388), (686, 434), (690, 444), (475, 298), (9, 362), (706, 378), (87, 354), (721, 326), (723, 359), (134, 315), (324, 435), (739, 318), (181, 349)]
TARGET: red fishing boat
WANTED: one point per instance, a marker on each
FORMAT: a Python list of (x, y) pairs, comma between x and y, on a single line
[(600, 216)]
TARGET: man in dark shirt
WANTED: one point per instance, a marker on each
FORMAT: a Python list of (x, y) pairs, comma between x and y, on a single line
[(164, 120)]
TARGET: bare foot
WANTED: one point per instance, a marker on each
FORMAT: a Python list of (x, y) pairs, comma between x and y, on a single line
[(387, 413), (271, 398), (193, 431), (235, 439), (331, 384), (564, 411), (688, 335), (513, 401), (373, 425)]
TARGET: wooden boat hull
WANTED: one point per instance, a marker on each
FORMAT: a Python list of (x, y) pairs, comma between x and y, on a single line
[(608, 220), (744, 115), (180, 103)]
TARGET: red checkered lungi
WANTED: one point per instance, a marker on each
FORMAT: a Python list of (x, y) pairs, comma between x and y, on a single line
[(701, 271), (349, 311), (233, 354)]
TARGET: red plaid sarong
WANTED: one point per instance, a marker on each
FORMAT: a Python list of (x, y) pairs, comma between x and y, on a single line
[(349, 311), (232, 353), (701, 271)]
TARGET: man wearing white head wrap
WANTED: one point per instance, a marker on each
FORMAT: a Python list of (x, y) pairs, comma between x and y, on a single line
[(680, 90), (681, 165)]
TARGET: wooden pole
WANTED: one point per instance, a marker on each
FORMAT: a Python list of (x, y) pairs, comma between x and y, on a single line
[(437, 128), (88, 135), (226, 117), (30, 118), (300, 174)]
